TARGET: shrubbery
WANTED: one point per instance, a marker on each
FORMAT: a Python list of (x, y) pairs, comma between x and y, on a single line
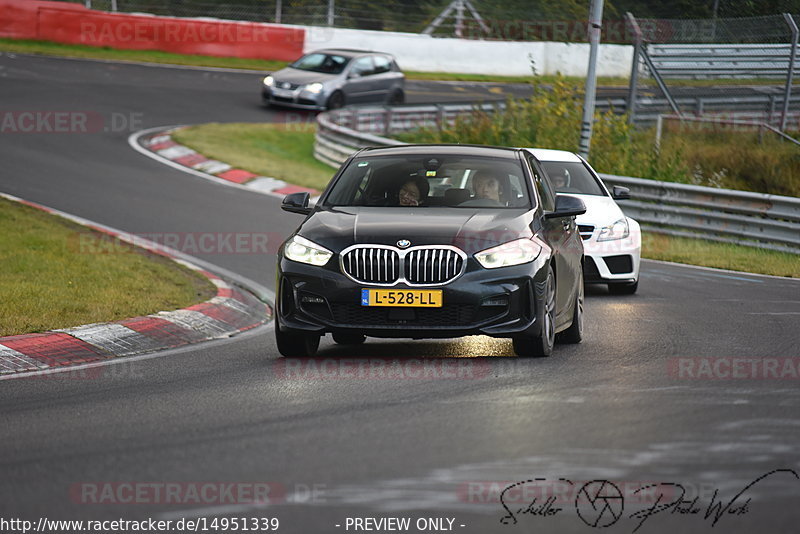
[(692, 154)]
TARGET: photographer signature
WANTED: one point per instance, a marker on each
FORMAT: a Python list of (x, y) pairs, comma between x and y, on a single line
[(600, 503)]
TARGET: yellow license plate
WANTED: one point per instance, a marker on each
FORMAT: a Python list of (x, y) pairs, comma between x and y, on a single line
[(418, 298)]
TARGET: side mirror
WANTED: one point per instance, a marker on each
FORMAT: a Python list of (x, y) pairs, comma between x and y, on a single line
[(566, 206), (620, 193), (296, 203)]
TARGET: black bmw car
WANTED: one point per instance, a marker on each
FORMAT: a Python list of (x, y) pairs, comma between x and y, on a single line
[(433, 241)]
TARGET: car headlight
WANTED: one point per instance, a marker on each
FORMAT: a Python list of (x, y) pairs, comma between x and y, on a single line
[(314, 88), (511, 253), (302, 250), (268, 81), (617, 230)]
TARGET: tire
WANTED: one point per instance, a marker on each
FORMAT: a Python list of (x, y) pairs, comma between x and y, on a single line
[(623, 289), (574, 334), (336, 100), (296, 344), (541, 345), (349, 339), (397, 97)]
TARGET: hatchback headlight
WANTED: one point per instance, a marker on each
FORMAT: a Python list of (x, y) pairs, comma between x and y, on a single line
[(314, 88), (617, 230), (302, 250), (511, 253), (268, 81)]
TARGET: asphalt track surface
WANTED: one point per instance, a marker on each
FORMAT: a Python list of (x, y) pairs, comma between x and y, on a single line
[(232, 411)]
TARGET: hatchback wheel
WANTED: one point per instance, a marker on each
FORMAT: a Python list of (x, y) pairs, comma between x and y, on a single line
[(574, 334), (296, 344), (397, 97), (336, 100), (541, 345)]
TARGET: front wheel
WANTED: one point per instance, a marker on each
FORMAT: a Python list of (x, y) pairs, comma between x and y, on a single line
[(336, 100), (296, 344), (397, 97), (541, 345), (623, 289), (574, 334)]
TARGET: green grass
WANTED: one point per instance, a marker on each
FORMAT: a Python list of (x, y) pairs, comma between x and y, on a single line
[(720, 255), (53, 277), (48, 48), (282, 151), (274, 150)]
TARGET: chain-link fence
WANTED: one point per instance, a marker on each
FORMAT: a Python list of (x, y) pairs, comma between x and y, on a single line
[(677, 61)]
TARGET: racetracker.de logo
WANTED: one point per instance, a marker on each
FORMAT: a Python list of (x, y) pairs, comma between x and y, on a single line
[(177, 493), (734, 368), (381, 368), (67, 122)]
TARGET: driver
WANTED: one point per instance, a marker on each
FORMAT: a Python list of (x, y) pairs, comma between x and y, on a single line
[(561, 179), (486, 186)]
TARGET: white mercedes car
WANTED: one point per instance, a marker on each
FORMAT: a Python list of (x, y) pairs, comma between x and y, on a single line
[(612, 242)]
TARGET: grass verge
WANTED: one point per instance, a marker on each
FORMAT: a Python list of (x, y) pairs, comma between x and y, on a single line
[(282, 151), (286, 150), (48, 48), (54, 277), (719, 255)]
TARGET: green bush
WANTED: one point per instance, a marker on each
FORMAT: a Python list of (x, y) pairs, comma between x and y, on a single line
[(552, 118)]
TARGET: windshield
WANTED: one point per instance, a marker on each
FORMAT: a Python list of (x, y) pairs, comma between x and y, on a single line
[(431, 180), (572, 177), (326, 63)]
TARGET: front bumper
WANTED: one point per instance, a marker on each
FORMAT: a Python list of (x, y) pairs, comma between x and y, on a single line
[(615, 261), (498, 303), (298, 98)]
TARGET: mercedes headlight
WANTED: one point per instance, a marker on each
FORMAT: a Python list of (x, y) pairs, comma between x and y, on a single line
[(302, 250), (511, 253), (314, 88), (268, 81), (617, 230)]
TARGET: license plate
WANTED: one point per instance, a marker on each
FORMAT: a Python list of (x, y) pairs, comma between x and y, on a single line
[(283, 93), (417, 298)]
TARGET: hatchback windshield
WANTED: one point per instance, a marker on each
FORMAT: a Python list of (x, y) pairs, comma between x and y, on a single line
[(431, 180), (572, 177), (326, 63)]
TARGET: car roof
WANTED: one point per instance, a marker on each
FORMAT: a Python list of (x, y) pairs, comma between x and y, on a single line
[(443, 149), (546, 154), (350, 52)]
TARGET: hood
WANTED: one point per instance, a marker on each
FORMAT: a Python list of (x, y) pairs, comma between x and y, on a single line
[(301, 77), (471, 230), (600, 211)]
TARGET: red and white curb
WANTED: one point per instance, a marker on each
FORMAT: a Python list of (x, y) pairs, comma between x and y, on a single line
[(158, 144), (234, 309)]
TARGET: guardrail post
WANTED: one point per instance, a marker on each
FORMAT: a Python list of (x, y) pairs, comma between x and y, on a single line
[(787, 93), (387, 120), (659, 128), (440, 118), (633, 85)]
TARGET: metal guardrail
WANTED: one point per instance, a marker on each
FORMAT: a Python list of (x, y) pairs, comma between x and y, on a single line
[(721, 60), (755, 219)]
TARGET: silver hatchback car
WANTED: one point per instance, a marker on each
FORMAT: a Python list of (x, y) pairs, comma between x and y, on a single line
[(333, 78)]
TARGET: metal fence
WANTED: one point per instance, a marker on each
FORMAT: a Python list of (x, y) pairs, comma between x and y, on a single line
[(755, 219)]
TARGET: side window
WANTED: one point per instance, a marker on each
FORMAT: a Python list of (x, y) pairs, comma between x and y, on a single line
[(543, 187), (382, 64), (363, 66)]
